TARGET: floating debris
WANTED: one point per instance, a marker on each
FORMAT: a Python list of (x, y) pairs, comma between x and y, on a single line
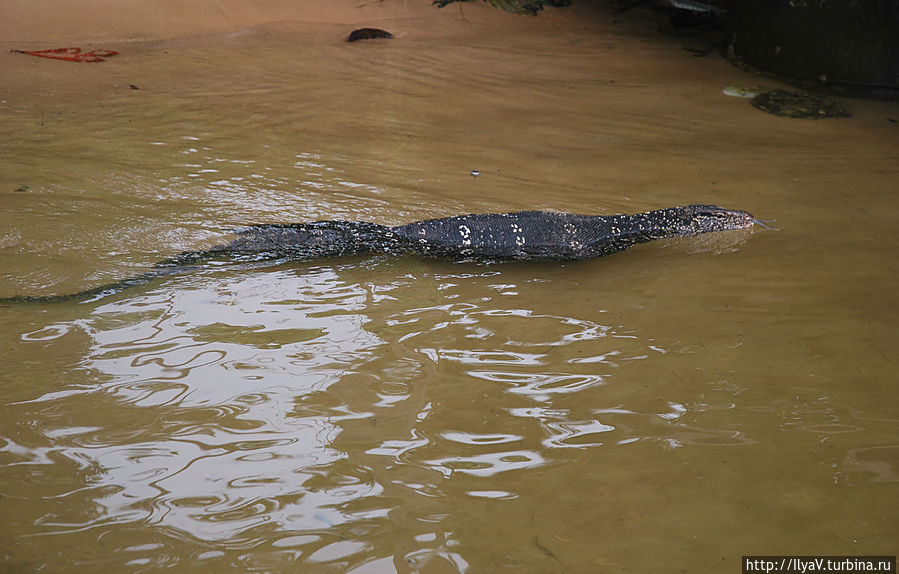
[(798, 105), (70, 54), (529, 7), (692, 14), (475, 172), (368, 34), (740, 92)]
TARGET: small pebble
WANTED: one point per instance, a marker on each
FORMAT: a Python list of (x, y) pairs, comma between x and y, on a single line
[(368, 34)]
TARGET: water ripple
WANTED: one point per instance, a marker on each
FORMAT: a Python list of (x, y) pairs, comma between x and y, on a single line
[(301, 407), (576, 434), (540, 385), (488, 464)]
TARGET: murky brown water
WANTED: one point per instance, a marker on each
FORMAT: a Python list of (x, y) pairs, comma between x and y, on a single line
[(667, 409)]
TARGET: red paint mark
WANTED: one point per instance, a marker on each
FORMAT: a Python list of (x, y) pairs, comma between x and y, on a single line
[(70, 54)]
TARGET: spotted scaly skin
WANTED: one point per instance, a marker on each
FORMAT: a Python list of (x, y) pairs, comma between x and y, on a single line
[(523, 236), (550, 236)]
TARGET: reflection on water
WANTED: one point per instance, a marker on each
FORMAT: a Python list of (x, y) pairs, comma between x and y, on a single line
[(304, 409), (237, 368)]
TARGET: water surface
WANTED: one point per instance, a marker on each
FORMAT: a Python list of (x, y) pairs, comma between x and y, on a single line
[(670, 408)]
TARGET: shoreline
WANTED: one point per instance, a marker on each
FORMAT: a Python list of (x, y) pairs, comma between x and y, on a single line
[(49, 23)]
